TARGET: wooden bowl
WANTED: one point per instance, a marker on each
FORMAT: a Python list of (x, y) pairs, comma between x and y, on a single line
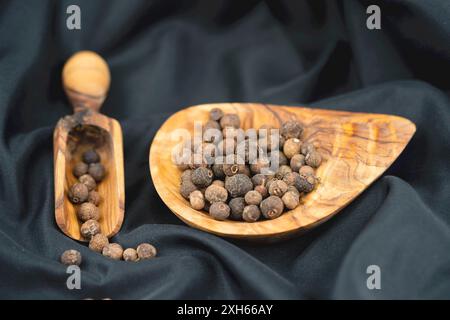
[(357, 148)]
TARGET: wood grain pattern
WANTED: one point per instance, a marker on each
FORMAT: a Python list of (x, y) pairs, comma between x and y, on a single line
[(357, 148), (86, 81)]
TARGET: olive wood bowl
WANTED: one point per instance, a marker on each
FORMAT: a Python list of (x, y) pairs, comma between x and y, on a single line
[(356, 147)]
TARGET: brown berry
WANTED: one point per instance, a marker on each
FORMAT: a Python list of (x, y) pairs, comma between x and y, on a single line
[(88, 211), (291, 129), (71, 257), (215, 114), (79, 169), (253, 197), (130, 254), (306, 171), (89, 229), (251, 213), (259, 179), (97, 171), (306, 148), (289, 178), (186, 188), (202, 177), (297, 161), (94, 198), (211, 124), (293, 189), (313, 159), (215, 193), (113, 251), (186, 175), (98, 242), (272, 207), (88, 181), (291, 199), (238, 185), (262, 190), (292, 147), (197, 200), (91, 156), (278, 188), (305, 183), (219, 210), (78, 193), (146, 251), (230, 120), (237, 206), (217, 167)]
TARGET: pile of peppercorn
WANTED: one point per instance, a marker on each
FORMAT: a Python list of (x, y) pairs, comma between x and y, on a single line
[(83, 194), (245, 175)]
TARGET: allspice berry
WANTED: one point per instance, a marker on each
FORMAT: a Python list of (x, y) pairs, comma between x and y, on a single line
[(291, 129), (238, 185), (97, 171), (305, 183), (292, 147), (272, 207), (78, 193), (306, 148), (230, 120), (88, 181), (259, 179), (233, 165), (71, 257), (278, 188), (237, 206), (79, 169), (219, 210), (94, 198), (297, 161), (251, 213), (186, 175), (186, 188), (215, 114), (313, 159), (217, 167), (197, 200), (291, 199), (146, 251), (289, 178), (91, 156), (253, 197), (202, 177), (113, 251), (130, 254), (215, 193), (90, 228), (88, 211), (98, 242), (306, 171)]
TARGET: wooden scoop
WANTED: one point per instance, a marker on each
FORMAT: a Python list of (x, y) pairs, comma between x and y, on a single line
[(86, 80), (357, 148)]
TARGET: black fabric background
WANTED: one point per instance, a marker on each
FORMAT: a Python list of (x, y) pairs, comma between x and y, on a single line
[(167, 55)]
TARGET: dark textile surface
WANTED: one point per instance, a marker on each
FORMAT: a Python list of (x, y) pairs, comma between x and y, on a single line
[(166, 55)]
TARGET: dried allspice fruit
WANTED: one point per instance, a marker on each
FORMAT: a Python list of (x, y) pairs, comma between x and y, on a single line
[(202, 177), (113, 251), (197, 200), (297, 161), (98, 242), (306, 171), (94, 198), (91, 156), (278, 188), (78, 193), (272, 207), (215, 193), (292, 147), (291, 129), (253, 197), (237, 206), (130, 254), (88, 211), (307, 147), (238, 185), (215, 114), (146, 251), (71, 257), (289, 178), (97, 171), (305, 183), (230, 120), (88, 181), (186, 188), (251, 213), (90, 228), (313, 159), (219, 210), (80, 169), (291, 199)]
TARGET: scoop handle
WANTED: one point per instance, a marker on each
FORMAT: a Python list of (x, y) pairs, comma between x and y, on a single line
[(86, 80)]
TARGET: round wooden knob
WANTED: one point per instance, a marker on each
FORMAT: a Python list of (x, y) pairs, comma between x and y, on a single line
[(86, 80)]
